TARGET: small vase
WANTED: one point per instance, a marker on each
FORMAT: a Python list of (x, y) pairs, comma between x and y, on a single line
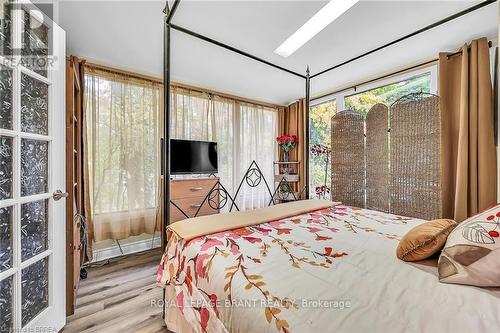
[(286, 159)]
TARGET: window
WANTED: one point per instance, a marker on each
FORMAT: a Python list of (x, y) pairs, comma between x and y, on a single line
[(389, 93), (123, 148), (243, 131), (361, 99), (319, 138)]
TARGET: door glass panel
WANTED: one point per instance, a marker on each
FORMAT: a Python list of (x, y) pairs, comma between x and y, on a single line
[(5, 167), (35, 44), (5, 28), (34, 290), (34, 167), (34, 228), (34, 105), (5, 238), (5, 97), (6, 288)]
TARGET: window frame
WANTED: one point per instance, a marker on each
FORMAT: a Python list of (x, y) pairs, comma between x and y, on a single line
[(339, 97)]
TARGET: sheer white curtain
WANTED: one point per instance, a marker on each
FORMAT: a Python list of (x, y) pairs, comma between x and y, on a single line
[(123, 134), (256, 137), (244, 132)]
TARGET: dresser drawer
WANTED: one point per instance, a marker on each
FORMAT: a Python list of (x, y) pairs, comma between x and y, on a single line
[(191, 188), (190, 206)]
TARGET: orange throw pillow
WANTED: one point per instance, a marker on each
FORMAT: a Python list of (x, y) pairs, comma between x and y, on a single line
[(424, 240)]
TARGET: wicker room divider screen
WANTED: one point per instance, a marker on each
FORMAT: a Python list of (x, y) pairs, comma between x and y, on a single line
[(377, 158), (348, 158), (415, 156), (393, 165)]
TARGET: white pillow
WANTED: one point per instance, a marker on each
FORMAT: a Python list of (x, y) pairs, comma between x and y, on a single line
[(472, 251)]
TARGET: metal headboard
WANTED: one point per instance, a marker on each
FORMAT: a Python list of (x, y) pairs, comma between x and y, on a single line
[(219, 197), (253, 177)]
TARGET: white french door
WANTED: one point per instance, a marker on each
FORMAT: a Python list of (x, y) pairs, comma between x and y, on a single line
[(32, 170)]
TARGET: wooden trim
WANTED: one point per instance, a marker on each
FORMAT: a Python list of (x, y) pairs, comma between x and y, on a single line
[(157, 80), (69, 189), (74, 180)]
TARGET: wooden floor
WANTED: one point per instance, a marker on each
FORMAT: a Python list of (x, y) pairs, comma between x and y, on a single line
[(121, 296)]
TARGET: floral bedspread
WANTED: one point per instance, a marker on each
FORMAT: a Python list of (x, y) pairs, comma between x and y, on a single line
[(302, 274)]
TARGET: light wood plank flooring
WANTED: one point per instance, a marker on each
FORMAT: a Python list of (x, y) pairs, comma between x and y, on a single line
[(120, 297)]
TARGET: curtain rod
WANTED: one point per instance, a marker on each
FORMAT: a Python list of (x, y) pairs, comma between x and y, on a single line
[(224, 95), (429, 27), (385, 76), (123, 72), (490, 44), (113, 70)]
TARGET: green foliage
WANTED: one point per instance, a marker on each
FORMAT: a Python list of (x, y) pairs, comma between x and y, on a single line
[(320, 122), (388, 94)]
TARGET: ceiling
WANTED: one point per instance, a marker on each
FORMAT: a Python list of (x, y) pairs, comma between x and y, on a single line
[(129, 35)]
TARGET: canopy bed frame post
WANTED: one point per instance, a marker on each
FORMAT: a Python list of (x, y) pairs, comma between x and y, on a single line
[(166, 139), (306, 125), (169, 13)]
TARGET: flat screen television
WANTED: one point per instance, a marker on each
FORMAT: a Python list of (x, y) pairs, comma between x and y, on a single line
[(188, 156)]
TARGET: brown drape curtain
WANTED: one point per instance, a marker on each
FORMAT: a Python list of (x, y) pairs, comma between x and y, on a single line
[(85, 178), (291, 121), (468, 157)]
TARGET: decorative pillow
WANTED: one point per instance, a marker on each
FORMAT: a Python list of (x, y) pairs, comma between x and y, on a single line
[(424, 240), (472, 252)]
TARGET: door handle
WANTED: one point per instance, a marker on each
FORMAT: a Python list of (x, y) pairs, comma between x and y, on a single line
[(196, 189), (196, 206), (58, 195)]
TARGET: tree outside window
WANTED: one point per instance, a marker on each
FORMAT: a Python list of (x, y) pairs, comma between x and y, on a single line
[(320, 134)]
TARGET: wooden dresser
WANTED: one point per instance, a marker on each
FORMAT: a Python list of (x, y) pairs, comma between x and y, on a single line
[(188, 194)]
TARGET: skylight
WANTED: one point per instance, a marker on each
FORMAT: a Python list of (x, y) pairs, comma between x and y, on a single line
[(326, 15)]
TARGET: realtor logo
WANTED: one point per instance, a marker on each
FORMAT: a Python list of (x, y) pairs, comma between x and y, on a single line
[(33, 49)]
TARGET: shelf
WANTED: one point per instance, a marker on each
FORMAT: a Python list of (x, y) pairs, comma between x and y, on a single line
[(291, 178), (281, 162)]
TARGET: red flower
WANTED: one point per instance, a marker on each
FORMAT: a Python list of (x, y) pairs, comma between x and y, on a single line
[(287, 142), (286, 139), (494, 233)]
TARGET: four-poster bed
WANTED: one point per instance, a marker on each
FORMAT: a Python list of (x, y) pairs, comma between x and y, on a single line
[(362, 239)]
